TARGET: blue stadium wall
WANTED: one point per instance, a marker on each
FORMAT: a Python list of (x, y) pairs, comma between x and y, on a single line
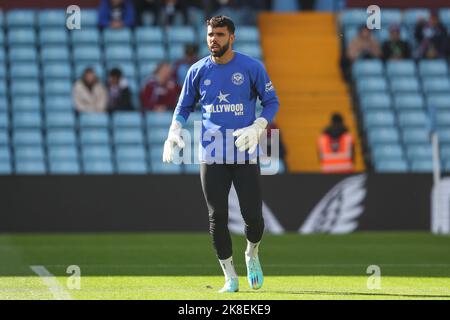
[(297, 202)]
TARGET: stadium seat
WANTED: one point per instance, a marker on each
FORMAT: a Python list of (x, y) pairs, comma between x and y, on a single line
[(443, 119), (246, 34), (21, 36), (116, 52), (117, 36), (181, 34), (419, 152), (445, 152), (20, 18), (387, 151), (53, 36), (436, 85), (58, 103), (30, 167), (128, 69), (253, 50), (128, 136), (404, 84), (27, 119), (127, 152), (2, 88), (438, 101), (193, 168), (85, 36), (421, 166), (146, 53), (101, 152), (94, 120), (4, 120), (98, 167), (90, 53), (353, 17), (146, 70), (379, 118), (64, 167), (29, 153), (98, 68), (165, 168), (155, 153), (148, 35), (371, 84), (23, 54), (125, 119), (444, 135), (26, 103), (27, 137), (3, 104), (52, 18), (94, 136), (89, 18), (24, 87), (400, 68), (391, 166), (58, 87), (156, 135), (132, 167), (415, 135), (24, 70), (65, 137), (60, 120), (411, 16), (367, 68), (62, 152), (391, 16), (433, 68), (5, 168), (57, 70), (383, 135), (176, 52), (412, 119), (4, 137), (444, 15), (408, 101), (376, 101), (5, 154), (158, 119), (53, 53)]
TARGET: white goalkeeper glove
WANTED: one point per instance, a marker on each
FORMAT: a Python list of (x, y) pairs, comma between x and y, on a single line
[(248, 137), (173, 138)]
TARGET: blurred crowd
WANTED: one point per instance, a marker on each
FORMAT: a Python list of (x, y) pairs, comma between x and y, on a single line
[(430, 36), (159, 93), (129, 13)]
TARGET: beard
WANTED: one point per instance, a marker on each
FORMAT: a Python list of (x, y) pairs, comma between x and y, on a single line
[(221, 51)]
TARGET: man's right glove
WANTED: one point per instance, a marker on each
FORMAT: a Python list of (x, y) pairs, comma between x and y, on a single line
[(173, 138)]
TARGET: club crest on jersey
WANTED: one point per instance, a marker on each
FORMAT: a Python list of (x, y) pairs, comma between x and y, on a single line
[(207, 82), (237, 78)]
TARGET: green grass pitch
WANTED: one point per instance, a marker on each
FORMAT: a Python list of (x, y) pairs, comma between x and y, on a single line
[(183, 266)]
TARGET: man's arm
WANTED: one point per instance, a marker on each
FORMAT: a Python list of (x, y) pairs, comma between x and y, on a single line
[(266, 93)]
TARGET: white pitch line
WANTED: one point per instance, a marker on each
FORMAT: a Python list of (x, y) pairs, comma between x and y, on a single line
[(58, 291)]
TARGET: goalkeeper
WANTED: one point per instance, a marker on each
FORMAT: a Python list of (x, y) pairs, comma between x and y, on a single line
[(227, 84)]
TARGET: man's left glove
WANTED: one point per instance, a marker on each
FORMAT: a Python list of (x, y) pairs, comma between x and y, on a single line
[(248, 137), (173, 138)]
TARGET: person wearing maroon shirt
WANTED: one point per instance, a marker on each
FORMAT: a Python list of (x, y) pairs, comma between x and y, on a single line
[(161, 91)]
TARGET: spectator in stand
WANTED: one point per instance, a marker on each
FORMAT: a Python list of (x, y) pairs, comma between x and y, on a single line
[(170, 9), (363, 46), (432, 39), (336, 147), (119, 95), (116, 14), (182, 66), (161, 91), (89, 94), (395, 48), (152, 6)]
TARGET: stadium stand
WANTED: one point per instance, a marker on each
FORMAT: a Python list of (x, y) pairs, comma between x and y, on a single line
[(40, 59), (396, 98)]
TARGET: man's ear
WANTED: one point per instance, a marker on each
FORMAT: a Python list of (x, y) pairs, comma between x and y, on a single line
[(232, 38)]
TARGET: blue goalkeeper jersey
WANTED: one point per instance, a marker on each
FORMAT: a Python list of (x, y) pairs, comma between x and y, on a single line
[(227, 94)]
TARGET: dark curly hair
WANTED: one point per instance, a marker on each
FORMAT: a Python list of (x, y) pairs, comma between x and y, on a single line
[(221, 21)]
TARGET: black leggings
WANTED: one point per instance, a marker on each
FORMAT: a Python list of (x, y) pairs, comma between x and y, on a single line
[(216, 183)]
